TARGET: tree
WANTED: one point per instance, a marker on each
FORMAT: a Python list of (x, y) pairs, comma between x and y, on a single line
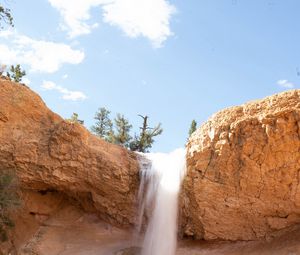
[(74, 119), (5, 16), (16, 73), (103, 125), (193, 127), (145, 139), (118, 131), (122, 129)]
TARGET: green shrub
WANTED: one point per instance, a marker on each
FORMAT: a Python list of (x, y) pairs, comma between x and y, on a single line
[(9, 200)]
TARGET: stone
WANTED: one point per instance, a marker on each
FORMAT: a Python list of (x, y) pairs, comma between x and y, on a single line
[(50, 154), (243, 169)]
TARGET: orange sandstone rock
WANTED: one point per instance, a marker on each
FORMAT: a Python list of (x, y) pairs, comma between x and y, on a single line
[(243, 171), (49, 153)]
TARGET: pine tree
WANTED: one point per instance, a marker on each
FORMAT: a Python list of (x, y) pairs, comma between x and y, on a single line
[(145, 139), (193, 127), (16, 73), (103, 125), (122, 130)]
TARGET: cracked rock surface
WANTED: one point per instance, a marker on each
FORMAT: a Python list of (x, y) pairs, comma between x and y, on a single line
[(243, 171)]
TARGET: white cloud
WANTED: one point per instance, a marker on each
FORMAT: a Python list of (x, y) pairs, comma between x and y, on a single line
[(76, 15), (66, 94), (285, 84), (39, 55), (48, 85), (74, 96), (147, 18), (65, 76)]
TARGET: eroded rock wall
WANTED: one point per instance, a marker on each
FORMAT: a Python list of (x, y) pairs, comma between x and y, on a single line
[(243, 166), (49, 153), (243, 171)]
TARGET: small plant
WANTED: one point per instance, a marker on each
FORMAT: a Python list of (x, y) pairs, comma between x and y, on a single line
[(74, 119), (9, 200), (193, 127), (16, 73)]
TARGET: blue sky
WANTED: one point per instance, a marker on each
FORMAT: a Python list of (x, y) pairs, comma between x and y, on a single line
[(172, 60)]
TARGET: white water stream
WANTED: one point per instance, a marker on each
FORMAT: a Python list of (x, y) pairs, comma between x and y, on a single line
[(158, 200)]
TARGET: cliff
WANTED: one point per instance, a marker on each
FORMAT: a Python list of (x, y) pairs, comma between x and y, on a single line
[(243, 170), (50, 154), (242, 179)]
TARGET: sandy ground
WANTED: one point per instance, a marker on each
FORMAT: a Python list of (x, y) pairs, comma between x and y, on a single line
[(72, 232)]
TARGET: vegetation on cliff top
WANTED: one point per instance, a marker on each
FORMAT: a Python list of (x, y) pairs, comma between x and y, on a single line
[(193, 127), (74, 119), (14, 73), (118, 131)]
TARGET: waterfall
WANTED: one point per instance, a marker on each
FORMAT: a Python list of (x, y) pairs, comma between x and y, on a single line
[(158, 200)]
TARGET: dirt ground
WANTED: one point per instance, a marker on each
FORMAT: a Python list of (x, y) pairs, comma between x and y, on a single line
[(72, 232)]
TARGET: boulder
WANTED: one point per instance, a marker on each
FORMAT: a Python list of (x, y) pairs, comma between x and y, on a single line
[(243, 171)]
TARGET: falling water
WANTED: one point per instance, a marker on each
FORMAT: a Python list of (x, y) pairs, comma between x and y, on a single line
[(158, 199)]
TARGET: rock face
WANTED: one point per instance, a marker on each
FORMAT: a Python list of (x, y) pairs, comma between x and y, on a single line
[(67, 230), (50, 154), (243, 171)]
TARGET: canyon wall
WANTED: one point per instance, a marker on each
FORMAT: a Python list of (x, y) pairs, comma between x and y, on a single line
[(50, 154), (243, 171), (243, 167)]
